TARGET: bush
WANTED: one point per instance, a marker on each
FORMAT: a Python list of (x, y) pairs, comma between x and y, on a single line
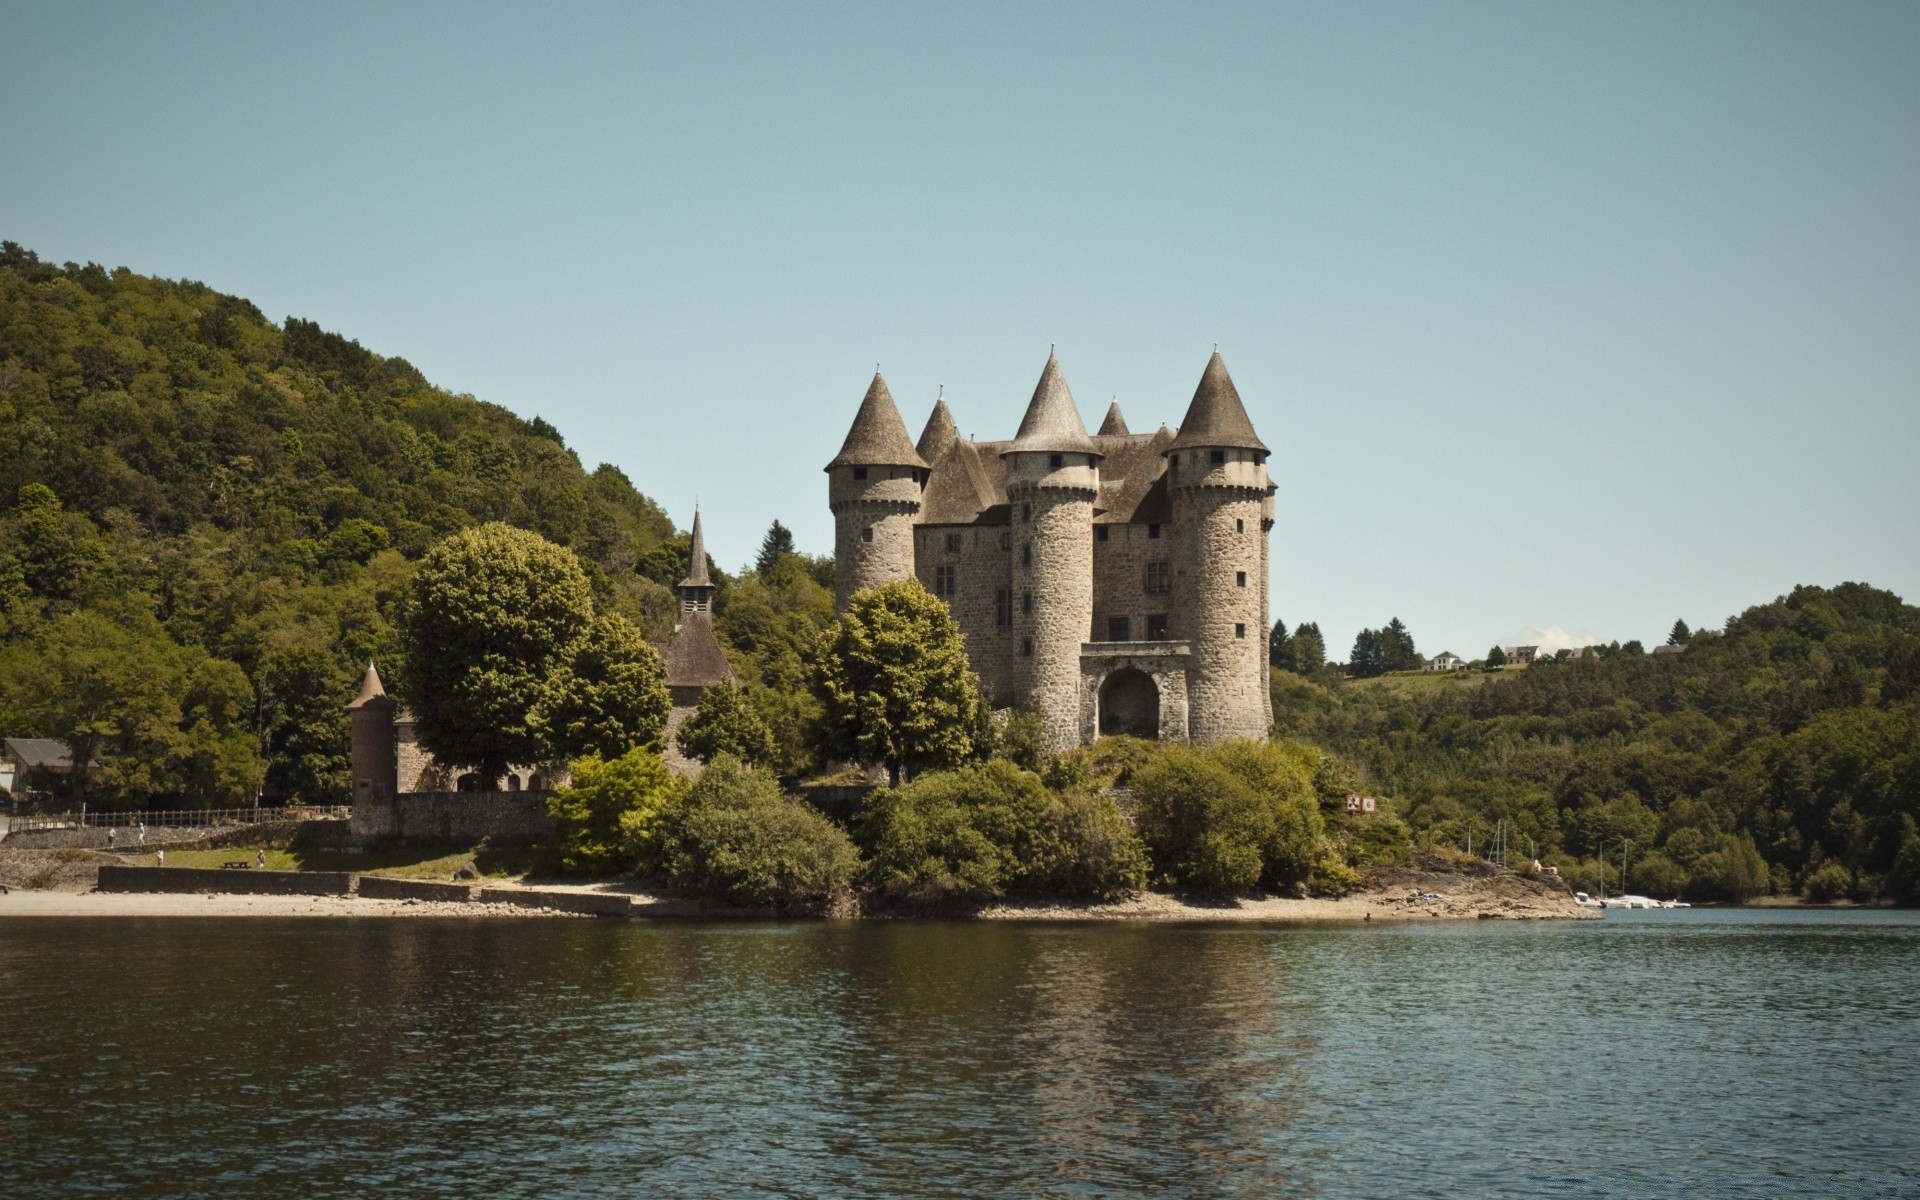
[(981, 832), (1734, 871), (737, 837), (1203, 827), (1282, 777), (1331, 877), (1381, 842), (608, 818), (1657, 875), (1829, 882), (727, 723)]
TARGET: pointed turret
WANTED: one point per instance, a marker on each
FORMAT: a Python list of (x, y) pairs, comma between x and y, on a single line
[(1052, 424), (1216, 418), (940, 432), (1116, 423), (371, 692), (878, 437), (697, 559)]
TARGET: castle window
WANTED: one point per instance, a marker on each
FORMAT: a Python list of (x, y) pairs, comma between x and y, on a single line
[(953, 543), (1156, 627), (1153, 531), (1006, 541), (1003, 607), (1026, 647), (1026, 512), (1054, 461), (1216, 456), (1119, 629), (1240, 631), (1026, 554), (1159, 578), (944, 583), (1026, 603), (859, 472), (1100, 532), (866, 533), (1239, 525), (1239, 579)]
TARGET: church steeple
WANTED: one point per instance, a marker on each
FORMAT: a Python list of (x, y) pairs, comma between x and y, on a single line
[(696, 590)]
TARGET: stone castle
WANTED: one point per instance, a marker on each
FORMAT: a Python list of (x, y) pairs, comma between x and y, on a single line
[(1116, 582)]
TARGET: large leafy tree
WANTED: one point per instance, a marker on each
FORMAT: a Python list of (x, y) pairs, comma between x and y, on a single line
[(506, 662), (894, 684), (727, 723), (1308, 648)]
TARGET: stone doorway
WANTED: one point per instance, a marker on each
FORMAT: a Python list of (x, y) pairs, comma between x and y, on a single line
[(1130, 703)]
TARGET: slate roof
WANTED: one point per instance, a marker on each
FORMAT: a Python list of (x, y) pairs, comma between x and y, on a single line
[(1116, 422), (878, 437), (1052, 423), (40, 752), (692, 655), (940, 433), (697, 558), (371, 691), (1133, 477), (1216, 417)]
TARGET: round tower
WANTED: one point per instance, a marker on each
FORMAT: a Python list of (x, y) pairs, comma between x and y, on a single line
[(1053, 476), (873, 489), (1221, 497), (372, 755)]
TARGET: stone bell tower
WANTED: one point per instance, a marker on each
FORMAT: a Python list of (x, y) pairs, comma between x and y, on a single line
[(873, 489)]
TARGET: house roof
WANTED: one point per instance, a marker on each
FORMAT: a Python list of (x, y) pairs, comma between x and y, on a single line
[(1216, 417), (39, 752), (878, 437), (1052, 424), (697, 558), (371, 691), (693, 657)]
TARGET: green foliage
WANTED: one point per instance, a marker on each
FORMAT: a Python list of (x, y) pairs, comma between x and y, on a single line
[(608, 819), (992, 829), (1281, 778), (894, 684), (1828, 882), (1496, 658), (1390, 648), (1680, 635), (771, 626), (737, 838), (1018, 740), (776, 546), (609, 696), (727, 723), (218, 486), (1203, 827)]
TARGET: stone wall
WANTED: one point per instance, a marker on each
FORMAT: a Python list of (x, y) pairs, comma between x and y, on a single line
[(232, 883), (1053, 515), (1220, 511), (981, 571), (381, 887), (430, 818), (1120, 578), (1168, 664), (884, 502)]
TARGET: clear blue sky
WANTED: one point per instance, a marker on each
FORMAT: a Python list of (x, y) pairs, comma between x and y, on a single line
[(1577, 315)]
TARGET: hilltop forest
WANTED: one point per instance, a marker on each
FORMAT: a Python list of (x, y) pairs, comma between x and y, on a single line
[(208, 522)]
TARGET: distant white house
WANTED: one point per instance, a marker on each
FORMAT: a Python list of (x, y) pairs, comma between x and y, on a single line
[(1446, 660), (1680, 649), (1522, 654)]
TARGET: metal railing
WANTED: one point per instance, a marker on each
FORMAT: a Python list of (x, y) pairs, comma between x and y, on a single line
[(197, 818)]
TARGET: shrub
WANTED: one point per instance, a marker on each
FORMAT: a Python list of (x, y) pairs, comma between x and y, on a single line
[(727, 723), (1381, 842), (1204, 828), (607, 819), (1331, 877), (983, 831), (737, 837), (1828, 882), (1281, 776), (1657, 875)]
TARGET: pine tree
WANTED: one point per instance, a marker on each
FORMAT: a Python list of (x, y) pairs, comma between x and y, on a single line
[(777, 544), (1309, 648), (1680, 635), (1279, 646), (1496, 658)]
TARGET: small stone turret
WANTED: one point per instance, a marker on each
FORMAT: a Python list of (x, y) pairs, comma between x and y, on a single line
[(1222, 507), (1053, 475), (873, 490), (372, 754)]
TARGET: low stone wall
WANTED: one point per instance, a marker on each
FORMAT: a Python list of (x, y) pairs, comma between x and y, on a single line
[(232, 883), (459, 818), (380, 887), (600, 904)]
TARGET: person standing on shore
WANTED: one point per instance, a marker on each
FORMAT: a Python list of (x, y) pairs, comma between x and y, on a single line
[(143, 833), (159, 858), (113, 835), (260, 860)]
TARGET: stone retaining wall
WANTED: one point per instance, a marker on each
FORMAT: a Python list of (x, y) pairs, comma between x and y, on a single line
[(463, 818), (233, 883), (600, 904), (380, 887)]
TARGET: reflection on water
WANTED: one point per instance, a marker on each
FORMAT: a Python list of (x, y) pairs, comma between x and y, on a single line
[(1652, 1054)]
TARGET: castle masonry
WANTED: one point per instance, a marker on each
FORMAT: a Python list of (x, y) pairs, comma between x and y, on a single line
[(1117, 581)]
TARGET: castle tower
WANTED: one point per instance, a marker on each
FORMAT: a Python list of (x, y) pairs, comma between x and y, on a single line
[(939, 434), (873, 488), (1053, 475), (1222, 507), (372, 755), (1116, 423)]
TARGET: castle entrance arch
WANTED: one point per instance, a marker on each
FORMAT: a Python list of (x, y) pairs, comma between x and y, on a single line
[(1130, 703)]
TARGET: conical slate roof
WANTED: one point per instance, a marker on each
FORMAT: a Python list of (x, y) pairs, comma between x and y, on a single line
[(371, 692), (940, 432), (1052, 424), (878, 437), (697, 558), (693, 657), (1116, 423), (1216, 417)]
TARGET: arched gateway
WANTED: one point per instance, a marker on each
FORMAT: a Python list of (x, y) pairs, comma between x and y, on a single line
[(1130, 703)]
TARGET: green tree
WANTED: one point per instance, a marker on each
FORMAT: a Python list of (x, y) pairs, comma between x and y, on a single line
[(1496, 658), (1309, 649), (894, 684), (610, 697), (1681, 635), (1281, 777), (609, 817), (774, 548), (1279, 647), (727, 723), (1369, 657), (737, 838), (1396, 648), (1204, 828)]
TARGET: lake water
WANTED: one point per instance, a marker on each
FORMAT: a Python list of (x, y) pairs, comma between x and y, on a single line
[(1711, 1053)]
